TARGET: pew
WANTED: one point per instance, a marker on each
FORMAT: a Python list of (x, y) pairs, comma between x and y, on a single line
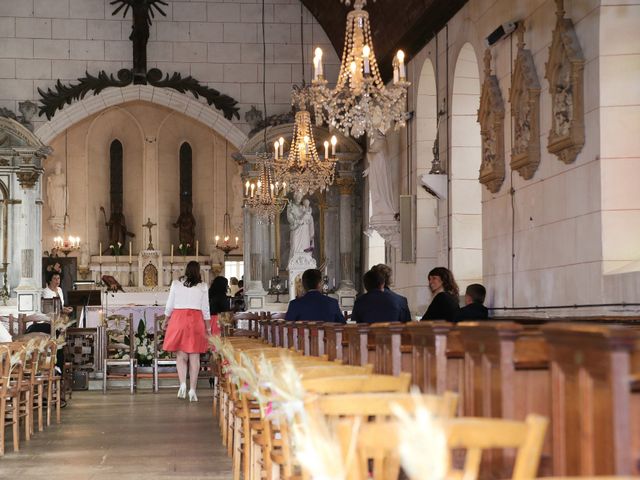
[(506, 376), (392, 348), (591, 387), (316, 339), (334, 338)]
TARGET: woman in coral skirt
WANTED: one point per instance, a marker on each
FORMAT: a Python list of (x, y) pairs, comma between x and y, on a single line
[(187, 310)]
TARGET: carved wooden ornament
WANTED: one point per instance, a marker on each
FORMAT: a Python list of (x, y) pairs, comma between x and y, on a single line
[(491, 119), (565, 72), (524, 97)]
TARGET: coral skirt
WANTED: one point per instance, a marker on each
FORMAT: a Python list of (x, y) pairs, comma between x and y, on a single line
[(186, 332)]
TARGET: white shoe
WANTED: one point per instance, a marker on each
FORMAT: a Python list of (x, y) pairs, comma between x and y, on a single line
[(192, 396), (182, 391)]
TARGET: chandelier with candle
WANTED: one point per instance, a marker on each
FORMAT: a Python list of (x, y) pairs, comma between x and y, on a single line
[(360, 103), (303, 169), (226, 246), (264, 195), (65, 245)]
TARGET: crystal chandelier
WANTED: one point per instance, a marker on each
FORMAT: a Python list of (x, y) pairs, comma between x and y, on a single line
[(265, 197), (303, 169), (360, 103)]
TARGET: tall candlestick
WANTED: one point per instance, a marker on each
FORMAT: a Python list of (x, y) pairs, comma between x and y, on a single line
[(197, 249), (100, 253), (130, 252), (172, 253)]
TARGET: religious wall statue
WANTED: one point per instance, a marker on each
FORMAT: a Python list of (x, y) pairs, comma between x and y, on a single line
[(299, 216), (186, 225), (565, 73), (56, 190), (116, 226), (491, 119), (524, 96)]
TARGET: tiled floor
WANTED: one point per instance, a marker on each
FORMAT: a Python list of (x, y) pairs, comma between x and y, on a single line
[(121, 436)]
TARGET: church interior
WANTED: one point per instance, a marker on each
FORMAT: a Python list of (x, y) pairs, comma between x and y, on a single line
[(379, 238)]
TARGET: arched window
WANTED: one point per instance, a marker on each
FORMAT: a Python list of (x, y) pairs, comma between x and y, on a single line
[(115, 176), (185, 171)]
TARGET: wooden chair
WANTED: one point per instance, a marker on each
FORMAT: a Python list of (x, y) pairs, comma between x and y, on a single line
[(52, 381), (5, 368), (158, 337), (25, 320), (379, 441), (15, 393), (119, 349)]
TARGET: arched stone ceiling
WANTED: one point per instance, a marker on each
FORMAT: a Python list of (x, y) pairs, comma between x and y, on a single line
[(405, 24)]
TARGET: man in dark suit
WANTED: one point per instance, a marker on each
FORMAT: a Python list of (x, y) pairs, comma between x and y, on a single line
[(375, 306), (313, 305), (474, 308), (405, 313)]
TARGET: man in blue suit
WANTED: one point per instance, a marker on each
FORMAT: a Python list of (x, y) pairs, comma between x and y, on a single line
[(375, 306), (405, 313), (313, 305)]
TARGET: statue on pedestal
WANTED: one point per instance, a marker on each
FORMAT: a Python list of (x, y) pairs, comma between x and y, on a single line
[(116, 226), (186, 225), (300, 225)]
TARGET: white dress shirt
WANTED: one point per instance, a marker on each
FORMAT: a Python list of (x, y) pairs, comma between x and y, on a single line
[(48, 293), (194, 298)]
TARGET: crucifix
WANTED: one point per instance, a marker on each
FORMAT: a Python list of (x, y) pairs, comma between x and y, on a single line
[(149, 225), (143, 12)]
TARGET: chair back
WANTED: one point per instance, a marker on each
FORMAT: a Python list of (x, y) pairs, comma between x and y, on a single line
[(25, 320), (5, 369), (10, 324), (478, 434), (358, 383), (333, 370), (51, 305), (159, 328), (118, 337), (18, 354)]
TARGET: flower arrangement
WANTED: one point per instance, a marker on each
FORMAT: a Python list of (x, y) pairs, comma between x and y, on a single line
[(143, 344), (116, 249), (183, 248)]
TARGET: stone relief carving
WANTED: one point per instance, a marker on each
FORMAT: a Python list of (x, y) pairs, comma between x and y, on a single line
[(565, 72), (491, 119), (525, 110)]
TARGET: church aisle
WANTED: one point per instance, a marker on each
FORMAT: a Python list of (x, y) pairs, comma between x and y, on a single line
[(121, 436)]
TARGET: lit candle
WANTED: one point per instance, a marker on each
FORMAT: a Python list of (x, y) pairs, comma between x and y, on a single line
[(100, 253), (354, 67), (197, 249), (272, 186), (217, 239), (334, 141), (401, 68), (246, 188), (326, 149), (130, 259), (276, 148), (396, 74), (236, 241), (172, 253), (317, 62), (253, 186), (365, 56), (281, 142)]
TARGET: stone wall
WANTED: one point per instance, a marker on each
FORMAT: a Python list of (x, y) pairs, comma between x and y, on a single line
[(574, 228), (218, 43)]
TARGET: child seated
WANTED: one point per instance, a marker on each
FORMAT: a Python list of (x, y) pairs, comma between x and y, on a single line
[(474, 308)]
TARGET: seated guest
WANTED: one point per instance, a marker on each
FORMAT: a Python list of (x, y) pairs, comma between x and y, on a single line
[(474, 300), (375, 306), (233, 286), (445, 304), (219, 301), (405, 313), (53, 290), (313, 305)]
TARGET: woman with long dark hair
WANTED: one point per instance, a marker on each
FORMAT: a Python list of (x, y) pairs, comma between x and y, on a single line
[(445, 304), (219, 301), (188, 310)]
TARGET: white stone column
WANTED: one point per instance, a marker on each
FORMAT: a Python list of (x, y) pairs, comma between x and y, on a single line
[(254, 287), (346, 292), (29, 238)]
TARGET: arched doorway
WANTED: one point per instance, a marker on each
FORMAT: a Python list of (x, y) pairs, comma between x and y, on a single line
[(465, 207)]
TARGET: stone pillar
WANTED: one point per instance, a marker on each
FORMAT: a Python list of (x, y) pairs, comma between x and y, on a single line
[(346, 292), (29, 235), (254, 286)]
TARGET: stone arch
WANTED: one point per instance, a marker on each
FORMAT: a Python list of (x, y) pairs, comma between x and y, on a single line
[(167, 98), (465, 208)]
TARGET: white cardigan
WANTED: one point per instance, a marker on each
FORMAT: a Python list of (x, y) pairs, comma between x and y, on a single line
[(194, 298)]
